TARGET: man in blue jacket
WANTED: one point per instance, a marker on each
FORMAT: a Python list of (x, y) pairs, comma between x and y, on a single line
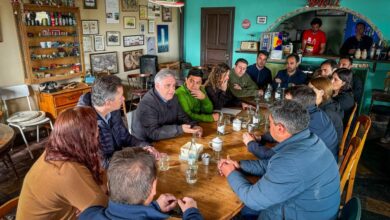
[(291, 75), (319, 124), (258, 72), (132, 182), (301, 181), (106, 98)]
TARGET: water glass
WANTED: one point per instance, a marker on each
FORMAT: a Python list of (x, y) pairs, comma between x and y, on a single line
[(217, 154), (251, 128), (164, 163), (192, 174)]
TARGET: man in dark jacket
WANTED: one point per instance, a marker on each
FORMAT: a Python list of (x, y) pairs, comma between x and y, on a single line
[(106, 98), (132, 179), (159, 114), (290, 75), (320, 124), (258, 72)]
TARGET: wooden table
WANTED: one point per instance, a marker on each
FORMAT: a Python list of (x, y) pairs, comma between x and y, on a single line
[(7, 136), (215, 198)]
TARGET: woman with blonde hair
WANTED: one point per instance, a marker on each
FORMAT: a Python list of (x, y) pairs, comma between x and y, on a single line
[(66, 179), (323, 88), (217, 88)]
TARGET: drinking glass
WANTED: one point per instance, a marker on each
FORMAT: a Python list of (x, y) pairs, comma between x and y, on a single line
[(164, 162), (192, 174)]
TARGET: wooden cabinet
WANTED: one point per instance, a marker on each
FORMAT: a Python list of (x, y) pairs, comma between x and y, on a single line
[(54, 103), (50, 37)]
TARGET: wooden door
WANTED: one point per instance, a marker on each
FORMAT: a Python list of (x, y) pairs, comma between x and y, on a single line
[(217, 35)]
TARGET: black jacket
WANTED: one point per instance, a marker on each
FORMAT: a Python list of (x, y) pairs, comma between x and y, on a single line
[(220, 98), (155, 119), (335, 114), (346, 101)]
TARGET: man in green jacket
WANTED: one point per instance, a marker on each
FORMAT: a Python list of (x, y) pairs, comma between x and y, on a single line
[(240, 83), (193, 98)]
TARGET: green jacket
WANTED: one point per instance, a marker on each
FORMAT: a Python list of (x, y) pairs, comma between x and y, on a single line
[(199, 110), (249, 88)]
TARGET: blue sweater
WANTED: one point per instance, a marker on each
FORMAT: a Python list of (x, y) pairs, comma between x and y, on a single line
[(320, 124), (123, 211), (261, 77), (298, 78), (301, 181)]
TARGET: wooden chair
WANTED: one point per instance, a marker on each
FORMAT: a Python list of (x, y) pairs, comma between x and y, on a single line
[(352, 210), (346, 132), (348, 166), (138, 84), (8, 207)]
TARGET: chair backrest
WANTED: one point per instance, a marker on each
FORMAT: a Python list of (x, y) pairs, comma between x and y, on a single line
[(8, 207), (14, 92), (362, 126), (352, 210), (346, 131), (138, 81)]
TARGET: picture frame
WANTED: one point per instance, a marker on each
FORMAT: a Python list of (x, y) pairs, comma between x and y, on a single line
[(330, 13), (88, 43), (261, 20), (129, 5), (99, 42), (151, 26), (113, 38), (104, 61), (131, 59), (129, 22), (143, 12), (142, 27), (133, 40), (90, 4), (166, 14), (162, 38), (90, 27)]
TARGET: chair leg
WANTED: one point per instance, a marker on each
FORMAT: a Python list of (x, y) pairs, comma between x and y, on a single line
[(37, 133), (26, 142), (12, 165)]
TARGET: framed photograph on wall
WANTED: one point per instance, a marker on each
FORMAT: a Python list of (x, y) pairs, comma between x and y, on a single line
[(113, 38), (261, 19), (99, 43), (129, 22), (133, 40), (166, 14), (162, 38), (151, 26), (143, 12), (90, 4), (131, 59), (88, 43), (104, 61), (129, 5), (142, 27), (90, 26)]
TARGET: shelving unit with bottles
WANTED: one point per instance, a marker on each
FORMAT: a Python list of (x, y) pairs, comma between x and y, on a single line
[(51, 42)]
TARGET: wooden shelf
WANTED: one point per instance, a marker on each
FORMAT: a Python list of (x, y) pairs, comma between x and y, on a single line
[(55, 78)]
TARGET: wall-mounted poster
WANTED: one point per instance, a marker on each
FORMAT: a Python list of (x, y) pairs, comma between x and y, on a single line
[(162, 38), (151, 46), (133, 40), (90, 4), (90, 26), (129, 22), (113, 38), (143, 12), (104, 61), (87, 43), (153, 10), (131, 59), (112, 12), (99, 43), (142, 27), (151, 25), (129, 5), (166, 14)]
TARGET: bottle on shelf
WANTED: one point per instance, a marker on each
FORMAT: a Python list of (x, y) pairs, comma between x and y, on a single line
[(372, 51), (278, 93), (378, 51), (268, 93)]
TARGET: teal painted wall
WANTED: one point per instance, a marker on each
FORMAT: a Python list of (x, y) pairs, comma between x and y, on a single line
[(377, 13)]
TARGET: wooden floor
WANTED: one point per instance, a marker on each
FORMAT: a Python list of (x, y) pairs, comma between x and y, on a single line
[(372, 184)]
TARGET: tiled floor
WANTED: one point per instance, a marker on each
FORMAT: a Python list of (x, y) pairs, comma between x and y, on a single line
[(372, 184)]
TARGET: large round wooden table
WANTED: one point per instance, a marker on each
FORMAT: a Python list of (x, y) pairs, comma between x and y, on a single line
[(7, 136), (215, 198)]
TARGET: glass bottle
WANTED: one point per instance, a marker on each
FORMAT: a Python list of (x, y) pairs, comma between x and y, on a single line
[(278, 93), (268, 93), (221, 125), (192, 152), (256, 116)]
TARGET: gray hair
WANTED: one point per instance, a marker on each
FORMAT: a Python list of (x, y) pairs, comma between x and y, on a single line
[(105, 88), (291, 114), (162, 74), (302, 94), (130, 175)]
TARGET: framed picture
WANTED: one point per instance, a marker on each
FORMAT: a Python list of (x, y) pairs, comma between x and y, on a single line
[(261, 20), (151, 26), (154, 10), (129, 5), (87, 43), (99, 43), (90, 26), (151, 45), (330, 12), (133, 40), (162, 38), (143, 12), (104, 61), (128, 22), (113, 38), (90, 4), (142, 27), (166, 14), (131, 59)]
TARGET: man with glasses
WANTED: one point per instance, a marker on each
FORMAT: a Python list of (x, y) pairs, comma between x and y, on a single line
[(240, 83), (193, 98)]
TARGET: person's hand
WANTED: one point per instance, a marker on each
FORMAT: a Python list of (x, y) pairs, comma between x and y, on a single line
[(199, 131), (215, 116), (187, 203), (198, 94), (261, 92), (166, 202), (226, 166), (237, 87), (246, 138), (187, 129), (277, 80), (244, 105), (157, 155), (224, 85)]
